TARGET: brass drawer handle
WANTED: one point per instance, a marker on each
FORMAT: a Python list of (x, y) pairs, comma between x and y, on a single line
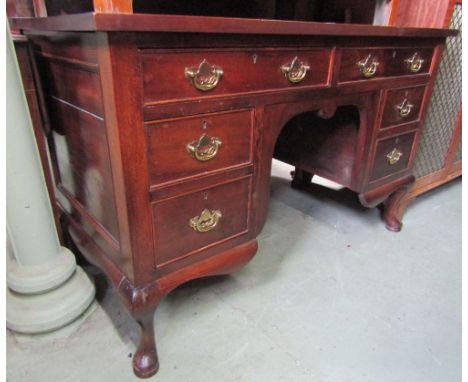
[(206, 221), (295, 71), (404, 108), (394, 156), (368, 66), (414, 63), (204, 77), (205, 148)]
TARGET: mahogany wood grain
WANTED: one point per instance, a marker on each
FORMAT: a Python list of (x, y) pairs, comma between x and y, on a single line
[(391, 62), (232, 102), (172, 218), (325, 147), (395, 60), (72, 84), (19, 8), (197, 182), (113, 138), (142, 301), (22, 55), (120, 108), (439, 16), (169, 158), (145, 360), (78, 49), (244, 70), (83, 161), (125, 126), (422, 13), (394, 98), (39, 8), (113, 6), (392, 204), (406, 130), (382, 166), (435, 179), (375, 196), (276, 117), (202, 24)]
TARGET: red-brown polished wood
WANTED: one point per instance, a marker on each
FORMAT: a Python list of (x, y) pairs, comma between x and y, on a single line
[(202, 24), (424, 13), (169, 141), (396, 100), (160, 181)]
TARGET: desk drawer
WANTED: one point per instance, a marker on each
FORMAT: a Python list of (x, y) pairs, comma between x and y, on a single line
[(392, 155), (186, 224), (402, 105), (362, 64), (196, 145), (174, 75)]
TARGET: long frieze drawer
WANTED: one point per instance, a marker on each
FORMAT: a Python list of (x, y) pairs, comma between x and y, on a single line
[(174, 75), (402, 105), (392, 155), (193, 146), (187, 224), (367, 63)]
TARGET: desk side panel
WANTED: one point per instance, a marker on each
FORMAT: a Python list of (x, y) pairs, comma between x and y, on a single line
[(69, 78)]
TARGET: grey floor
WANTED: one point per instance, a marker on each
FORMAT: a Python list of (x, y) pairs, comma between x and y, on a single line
[(330, 296)]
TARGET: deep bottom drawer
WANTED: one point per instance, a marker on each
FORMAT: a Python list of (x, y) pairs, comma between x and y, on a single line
[(392, 155), (186, 224)]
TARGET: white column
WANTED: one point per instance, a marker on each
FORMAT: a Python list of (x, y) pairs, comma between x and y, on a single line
[(46, 289)]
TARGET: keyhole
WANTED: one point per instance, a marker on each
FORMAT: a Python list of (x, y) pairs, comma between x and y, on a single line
[(204, 125), (205, 195), (254, 58)]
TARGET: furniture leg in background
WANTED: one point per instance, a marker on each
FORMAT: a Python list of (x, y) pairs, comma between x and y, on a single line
[(438, 159)]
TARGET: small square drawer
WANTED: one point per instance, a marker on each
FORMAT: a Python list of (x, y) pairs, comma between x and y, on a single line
[(367, 63), (392, 155), (402, 105), (174, 75), (193, 146), (204, 218)]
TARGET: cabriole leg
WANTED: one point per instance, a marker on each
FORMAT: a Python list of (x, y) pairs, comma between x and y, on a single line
[(145, 360), (393, 209), (394, 199)]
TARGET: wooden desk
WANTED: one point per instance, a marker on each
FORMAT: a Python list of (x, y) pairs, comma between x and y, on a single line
[(161, 131)]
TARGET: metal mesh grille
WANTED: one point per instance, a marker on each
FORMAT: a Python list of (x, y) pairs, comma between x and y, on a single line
[(459, 152), (444, 106)]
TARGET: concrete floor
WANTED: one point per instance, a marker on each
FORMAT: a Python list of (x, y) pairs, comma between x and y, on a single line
[(330, 296)]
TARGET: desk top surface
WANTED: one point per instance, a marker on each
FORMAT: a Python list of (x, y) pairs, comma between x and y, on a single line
[(205, 24)]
